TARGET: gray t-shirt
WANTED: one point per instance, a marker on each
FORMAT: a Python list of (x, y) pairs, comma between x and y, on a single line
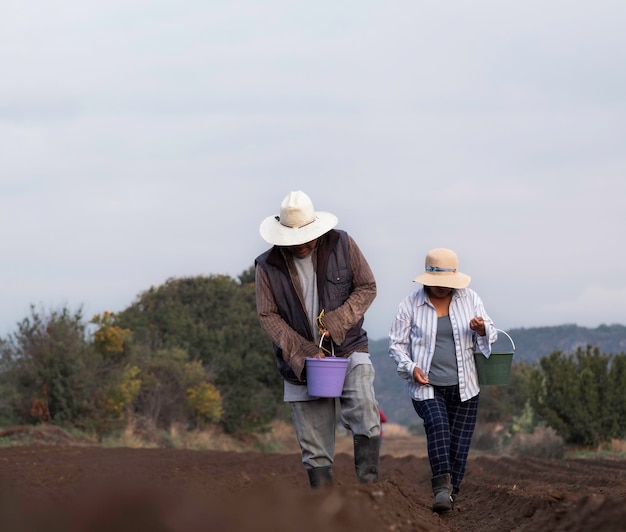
[(443, 368), (308, 284)]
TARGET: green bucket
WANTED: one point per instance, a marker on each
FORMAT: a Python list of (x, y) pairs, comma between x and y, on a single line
[(495, 370)]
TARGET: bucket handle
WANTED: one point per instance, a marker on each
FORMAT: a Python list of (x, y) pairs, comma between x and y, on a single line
[(332, 345), (507, 335)]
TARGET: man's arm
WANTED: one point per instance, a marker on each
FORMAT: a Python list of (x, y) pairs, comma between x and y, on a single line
[(295, 347)]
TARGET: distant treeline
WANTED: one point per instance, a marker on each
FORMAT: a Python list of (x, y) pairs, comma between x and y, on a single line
[(192, 353), (189, 352), (536, 342)]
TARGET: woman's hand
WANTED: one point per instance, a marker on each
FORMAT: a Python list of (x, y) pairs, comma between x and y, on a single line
[(477, 324), (418, 376)]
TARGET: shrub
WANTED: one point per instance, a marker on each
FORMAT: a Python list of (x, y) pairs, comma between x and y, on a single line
[(543, 442), (206, 402), (581, 395), (487, 437)]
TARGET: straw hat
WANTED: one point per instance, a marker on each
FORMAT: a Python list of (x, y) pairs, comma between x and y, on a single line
[(442, 269), (297, 223)]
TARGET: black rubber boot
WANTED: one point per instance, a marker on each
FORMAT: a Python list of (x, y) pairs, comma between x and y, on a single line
[(442, 488), (320, 477), (366, 453)]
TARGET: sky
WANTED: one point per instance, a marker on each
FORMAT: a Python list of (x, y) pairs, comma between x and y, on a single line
[(142, 140)]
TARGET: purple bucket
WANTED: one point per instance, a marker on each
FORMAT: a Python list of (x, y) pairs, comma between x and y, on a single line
[(325, 376)]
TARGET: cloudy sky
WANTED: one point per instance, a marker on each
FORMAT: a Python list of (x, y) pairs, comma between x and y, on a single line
[(147, 139)]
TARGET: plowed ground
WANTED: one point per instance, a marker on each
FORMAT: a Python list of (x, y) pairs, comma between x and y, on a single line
[(80, 488)]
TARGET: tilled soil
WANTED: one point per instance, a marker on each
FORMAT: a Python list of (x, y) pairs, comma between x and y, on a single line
[(83, 488)]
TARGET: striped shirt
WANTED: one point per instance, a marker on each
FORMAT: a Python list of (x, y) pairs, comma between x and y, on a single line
[(414, 332)]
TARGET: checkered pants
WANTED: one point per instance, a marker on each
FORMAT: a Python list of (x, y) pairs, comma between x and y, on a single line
[(449, 425)]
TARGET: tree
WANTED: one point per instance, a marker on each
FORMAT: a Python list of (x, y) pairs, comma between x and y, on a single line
[(247, 276), (504, 403), (213, 319), (52, 369), (579, 396), (616, 402), (162, 392), (109, 338)]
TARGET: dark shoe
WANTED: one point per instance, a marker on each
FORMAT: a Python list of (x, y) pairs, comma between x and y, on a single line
[(366, 456), (442, 488), (320, 477)]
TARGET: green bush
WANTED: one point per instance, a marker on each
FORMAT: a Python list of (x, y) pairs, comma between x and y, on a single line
[(581, 396), (50, 370), (214, 320)]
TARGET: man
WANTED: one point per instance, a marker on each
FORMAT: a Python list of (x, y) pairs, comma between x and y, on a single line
[(313, 287)]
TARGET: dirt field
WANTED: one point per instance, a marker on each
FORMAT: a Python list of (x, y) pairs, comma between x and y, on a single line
[(79, 488)]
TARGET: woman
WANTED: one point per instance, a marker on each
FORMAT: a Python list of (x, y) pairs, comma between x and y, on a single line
[(432, 341)]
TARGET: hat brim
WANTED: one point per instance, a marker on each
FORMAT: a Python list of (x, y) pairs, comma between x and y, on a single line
[(274, 232), (445, 279)]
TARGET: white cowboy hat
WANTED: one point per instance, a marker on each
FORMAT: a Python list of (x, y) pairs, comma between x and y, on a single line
[(297, 223), (441, 268)]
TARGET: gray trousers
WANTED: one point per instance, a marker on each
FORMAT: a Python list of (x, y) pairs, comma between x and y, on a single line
[(315, 422)]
